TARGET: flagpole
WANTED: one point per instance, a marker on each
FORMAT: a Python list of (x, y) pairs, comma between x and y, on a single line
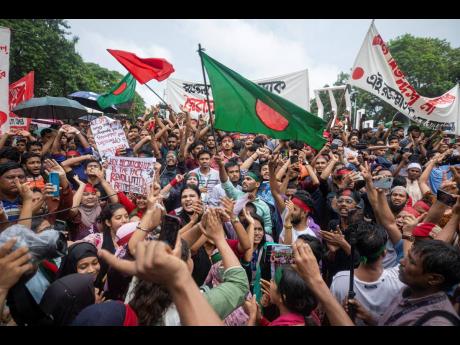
[(156, 94), (211, 121)]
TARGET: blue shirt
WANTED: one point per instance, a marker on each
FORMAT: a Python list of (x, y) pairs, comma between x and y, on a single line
[(435, 177), (12, 208)]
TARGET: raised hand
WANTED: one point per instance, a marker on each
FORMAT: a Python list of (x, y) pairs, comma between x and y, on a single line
[(213, 229), (228, 204), (24, 190), (13, 264), (305, 263), (155, 262), (51, 165), (248, 216)]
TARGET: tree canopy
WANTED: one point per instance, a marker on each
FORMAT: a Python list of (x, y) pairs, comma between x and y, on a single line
[(47, 47)]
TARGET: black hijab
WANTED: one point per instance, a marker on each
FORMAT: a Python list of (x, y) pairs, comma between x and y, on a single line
[(67, 296), (77, 251)]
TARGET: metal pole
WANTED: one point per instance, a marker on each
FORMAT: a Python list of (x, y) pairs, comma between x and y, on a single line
[(211, 121), (156, 94)]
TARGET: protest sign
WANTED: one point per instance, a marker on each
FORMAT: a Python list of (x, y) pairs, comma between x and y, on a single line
[(131, 174), (21, 91), (192, 95), (4, 78), (109, 136), (377, 72)]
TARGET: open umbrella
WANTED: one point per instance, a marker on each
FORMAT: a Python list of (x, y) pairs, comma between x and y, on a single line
[(50, 108), (89, 99)]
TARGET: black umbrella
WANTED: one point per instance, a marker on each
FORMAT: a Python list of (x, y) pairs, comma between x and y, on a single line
[(89, 99), (50, 108)]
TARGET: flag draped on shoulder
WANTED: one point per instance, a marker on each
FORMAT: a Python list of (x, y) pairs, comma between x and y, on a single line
[(143, 69), (121, 93), (243, 106)]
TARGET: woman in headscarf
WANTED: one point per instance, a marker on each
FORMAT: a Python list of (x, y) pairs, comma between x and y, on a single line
[(81, 258), (84, 212), (66, 297), (110, 313)]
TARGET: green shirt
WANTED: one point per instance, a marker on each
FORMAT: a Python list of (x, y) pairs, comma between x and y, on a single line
[(229, 295), (262, 208)]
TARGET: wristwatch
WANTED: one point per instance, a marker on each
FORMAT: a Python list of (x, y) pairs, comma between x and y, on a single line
[(235, 220)]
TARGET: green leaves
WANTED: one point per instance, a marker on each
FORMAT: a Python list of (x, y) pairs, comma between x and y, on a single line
[(47, 47)]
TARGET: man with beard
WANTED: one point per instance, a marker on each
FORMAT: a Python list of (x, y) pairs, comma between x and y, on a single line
[(172, 145), (351, 149), (295, 216), (248, 193), (398, 199), (170, 168), (414, 170), (32, 164), (233, 171), (208, 177)]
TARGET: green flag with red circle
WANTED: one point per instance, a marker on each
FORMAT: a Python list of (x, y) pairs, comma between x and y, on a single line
[(243, 106), (121, 93)]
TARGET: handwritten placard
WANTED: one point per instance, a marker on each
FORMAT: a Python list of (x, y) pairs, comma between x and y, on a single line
[(109, 136), (131, 174)]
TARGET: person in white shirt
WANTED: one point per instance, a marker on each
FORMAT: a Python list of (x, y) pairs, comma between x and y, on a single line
[(233, 171), (207, 176), (374, 286), (295, 218)]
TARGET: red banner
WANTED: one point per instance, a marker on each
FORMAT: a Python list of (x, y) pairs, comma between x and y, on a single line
[(21, 91)]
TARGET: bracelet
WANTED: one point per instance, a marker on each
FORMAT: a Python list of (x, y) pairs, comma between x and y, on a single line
[(288, 227), (145, 230), (409, 238), (77, 132), (235, 220)]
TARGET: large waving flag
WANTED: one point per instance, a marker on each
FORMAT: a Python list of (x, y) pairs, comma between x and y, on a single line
[(143, 69), (243, 106), (121, 93)]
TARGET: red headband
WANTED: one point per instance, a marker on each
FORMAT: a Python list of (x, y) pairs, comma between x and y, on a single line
[(342, 172), (423, 205), (89, 188), (301, 204)]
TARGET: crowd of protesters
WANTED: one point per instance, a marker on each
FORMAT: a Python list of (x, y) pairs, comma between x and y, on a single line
[(234, 193)]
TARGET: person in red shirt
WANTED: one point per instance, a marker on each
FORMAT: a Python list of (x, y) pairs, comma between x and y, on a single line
[(291, 295)]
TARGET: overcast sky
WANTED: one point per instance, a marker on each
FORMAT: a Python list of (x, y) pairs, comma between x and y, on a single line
[(254, 48)]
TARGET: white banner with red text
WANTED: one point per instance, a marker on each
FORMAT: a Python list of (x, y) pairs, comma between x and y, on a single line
[(192, 95), (377, 72)]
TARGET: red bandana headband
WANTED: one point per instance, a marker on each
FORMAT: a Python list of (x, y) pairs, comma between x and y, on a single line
[(301, 204), (89, 188)]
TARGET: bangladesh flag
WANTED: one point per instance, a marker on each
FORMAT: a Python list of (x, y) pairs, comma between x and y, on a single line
[(243, 106), (123, 92)]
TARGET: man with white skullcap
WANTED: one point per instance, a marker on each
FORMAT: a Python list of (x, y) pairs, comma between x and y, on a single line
[(414, 170)]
